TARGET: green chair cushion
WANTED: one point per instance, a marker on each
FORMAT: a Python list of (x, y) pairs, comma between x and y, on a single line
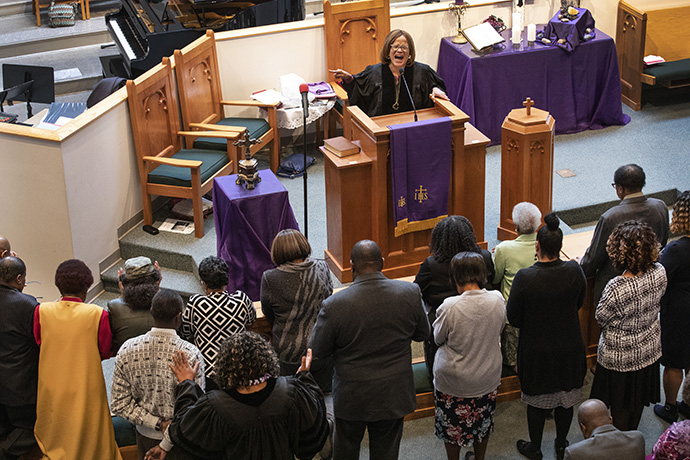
[(257, 127), (213, 161), (422, 384), (670, 71), (125, 434)]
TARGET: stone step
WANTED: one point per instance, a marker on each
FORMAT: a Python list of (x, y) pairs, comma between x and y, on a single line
[(12, 7), (183, 282)]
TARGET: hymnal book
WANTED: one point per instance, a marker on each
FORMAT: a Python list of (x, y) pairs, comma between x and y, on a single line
[(482, 36), (340, 146)]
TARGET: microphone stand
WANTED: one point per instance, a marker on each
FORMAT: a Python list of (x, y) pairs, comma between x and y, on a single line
[(402, 76), (305, 109)]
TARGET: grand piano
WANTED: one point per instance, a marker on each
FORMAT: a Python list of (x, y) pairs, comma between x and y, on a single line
[(145, 31)]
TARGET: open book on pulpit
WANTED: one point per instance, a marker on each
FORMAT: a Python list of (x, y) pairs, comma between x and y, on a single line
[(482, 36)]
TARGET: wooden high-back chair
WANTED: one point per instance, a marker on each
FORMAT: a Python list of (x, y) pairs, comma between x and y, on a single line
[(199, 86), (354, 33), (165, 168)]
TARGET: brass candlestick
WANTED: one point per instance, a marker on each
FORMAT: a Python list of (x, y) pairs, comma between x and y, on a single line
[(459, 11)]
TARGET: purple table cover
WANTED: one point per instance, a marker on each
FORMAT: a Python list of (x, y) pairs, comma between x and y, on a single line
[(246, 223), (581, 90), (572, 32), (420, 173)]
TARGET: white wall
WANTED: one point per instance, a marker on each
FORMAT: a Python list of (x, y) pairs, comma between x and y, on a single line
[(33, 212)]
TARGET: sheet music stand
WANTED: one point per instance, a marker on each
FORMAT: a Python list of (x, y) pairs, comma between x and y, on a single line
[(11, 94), (42, 90)]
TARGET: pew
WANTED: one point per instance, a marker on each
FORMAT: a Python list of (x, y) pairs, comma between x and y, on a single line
[(658, 27)]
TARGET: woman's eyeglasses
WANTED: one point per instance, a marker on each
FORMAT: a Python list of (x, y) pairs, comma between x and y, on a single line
[(399, 47)]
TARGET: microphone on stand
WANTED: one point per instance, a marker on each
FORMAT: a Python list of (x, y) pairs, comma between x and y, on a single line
[(402, 76), (304, 90)]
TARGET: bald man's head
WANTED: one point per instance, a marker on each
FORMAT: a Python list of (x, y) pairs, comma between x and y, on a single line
[(5, 249), (366, 257), (13, 272), (592, 414)]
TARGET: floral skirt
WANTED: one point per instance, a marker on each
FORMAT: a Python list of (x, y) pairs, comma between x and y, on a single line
[(464, 421)]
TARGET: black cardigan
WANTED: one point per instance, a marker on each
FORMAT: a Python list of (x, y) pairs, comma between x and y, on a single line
[(544, 303)]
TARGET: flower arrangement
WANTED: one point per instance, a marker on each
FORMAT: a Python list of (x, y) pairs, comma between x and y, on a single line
[(496, 22)]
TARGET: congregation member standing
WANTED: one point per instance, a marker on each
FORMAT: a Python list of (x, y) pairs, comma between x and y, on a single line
[(511, 256), (72, 416), (211, 318), (143, 389), (368, 329), (255, 415), (18, 361), (675, 311), (467, 369), (628, 182), (450, 236), (603, 441), (627, 374), (6, 248), (544, 303), (129, 314), (291, 296)]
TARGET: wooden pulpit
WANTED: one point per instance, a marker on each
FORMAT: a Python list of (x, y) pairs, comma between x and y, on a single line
[(358, 192), (526, 163)]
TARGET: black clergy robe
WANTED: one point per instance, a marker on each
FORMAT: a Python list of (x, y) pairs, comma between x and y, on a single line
[(373, 89)]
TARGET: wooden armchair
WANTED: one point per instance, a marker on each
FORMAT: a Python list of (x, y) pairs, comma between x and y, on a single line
[(165, 168), (354, 33), (198, 83)]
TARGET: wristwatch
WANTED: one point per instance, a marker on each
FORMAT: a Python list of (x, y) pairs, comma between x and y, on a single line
[(159, 423)]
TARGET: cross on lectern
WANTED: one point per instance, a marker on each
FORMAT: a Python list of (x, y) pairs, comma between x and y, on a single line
[(528, 104), (247, 168)]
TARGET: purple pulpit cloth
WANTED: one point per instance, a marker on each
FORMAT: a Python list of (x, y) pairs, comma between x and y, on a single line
[(573, 31), (420, 173), (246, 223), (581, 90)]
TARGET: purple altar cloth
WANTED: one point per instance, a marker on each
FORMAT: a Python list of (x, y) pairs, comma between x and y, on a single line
[(573, 32), (246, 223), (581, 90)]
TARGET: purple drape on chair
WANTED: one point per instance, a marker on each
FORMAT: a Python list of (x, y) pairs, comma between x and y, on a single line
[(581, 90), (420, 173), (246, 223)]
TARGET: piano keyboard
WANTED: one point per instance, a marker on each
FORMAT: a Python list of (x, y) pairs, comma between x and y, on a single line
[(126, 37)]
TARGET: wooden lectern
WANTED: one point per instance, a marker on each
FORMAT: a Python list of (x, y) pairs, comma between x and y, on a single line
[(526, 163), (358, 192)]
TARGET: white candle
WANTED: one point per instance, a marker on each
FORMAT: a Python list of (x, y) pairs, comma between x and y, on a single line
[(516, 35), (531, 32), (517, 21)]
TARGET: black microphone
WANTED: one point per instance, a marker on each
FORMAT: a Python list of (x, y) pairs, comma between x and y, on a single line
[(304, 89), (402, 76)]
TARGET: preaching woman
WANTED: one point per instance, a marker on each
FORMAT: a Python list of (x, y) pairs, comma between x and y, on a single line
[(379, 90)]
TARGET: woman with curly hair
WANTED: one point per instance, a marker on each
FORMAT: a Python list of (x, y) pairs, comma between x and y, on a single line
[(450, 236), (544, 302), (627, 375), (255, 414), (72, 415), (675, 311)]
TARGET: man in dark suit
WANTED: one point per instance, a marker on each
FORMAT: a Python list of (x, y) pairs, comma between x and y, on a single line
[(603, 441), (367, 329), (628, 181), (18, 361)]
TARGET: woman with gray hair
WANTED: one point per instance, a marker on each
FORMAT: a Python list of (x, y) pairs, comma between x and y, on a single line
[(255, 414), (511, 256)]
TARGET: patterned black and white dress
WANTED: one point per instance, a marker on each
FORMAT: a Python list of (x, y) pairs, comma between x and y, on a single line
[(210, 319)]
